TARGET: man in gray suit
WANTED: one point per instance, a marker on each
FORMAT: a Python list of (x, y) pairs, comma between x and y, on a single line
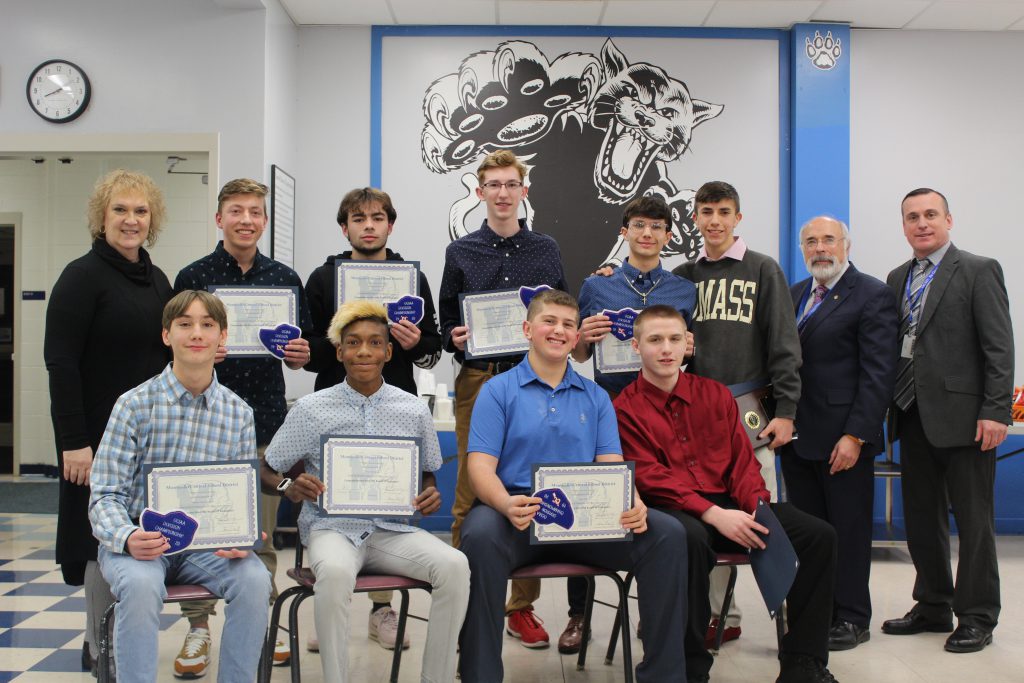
[(950, 411)]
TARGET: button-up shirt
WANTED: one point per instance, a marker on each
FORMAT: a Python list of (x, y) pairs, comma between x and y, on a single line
[(341, 410), (258, 380), (736, 251), (688, 442), (622, 290), (521, 420), (161, 421), (483, 261)]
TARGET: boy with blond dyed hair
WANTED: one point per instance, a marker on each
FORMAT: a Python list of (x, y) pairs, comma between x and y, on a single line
[(342, 547)]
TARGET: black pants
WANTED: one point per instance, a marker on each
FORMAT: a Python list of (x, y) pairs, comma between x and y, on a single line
[(933, 480), (845, 500), (809, 602)]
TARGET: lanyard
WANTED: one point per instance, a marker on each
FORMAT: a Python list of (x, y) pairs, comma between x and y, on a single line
[(914, 298)]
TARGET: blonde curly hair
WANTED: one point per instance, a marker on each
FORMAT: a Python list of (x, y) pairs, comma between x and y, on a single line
[(122, 181)]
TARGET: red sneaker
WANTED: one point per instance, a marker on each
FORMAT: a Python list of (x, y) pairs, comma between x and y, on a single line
[(730, 633), (526, 626)]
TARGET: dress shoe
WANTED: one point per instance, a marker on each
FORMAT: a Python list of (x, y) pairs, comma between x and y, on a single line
[(845, 636), (912, 623), (730, 633), (572, 637), (803, 669), (968, 639)]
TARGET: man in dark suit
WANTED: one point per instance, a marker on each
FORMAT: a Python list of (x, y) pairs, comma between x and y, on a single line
[(847, 323), (951, 410)]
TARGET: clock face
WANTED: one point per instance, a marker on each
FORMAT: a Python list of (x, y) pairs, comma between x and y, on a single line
[(58, 91)]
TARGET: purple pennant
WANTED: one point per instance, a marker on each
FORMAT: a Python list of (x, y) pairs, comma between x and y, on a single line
[(409, 307), (555, 508), (276, 338), (177, 527), (526, 294), (622, 322)]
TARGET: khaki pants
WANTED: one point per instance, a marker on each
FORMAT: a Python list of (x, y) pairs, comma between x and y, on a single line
[(720, 575), (467, 386)]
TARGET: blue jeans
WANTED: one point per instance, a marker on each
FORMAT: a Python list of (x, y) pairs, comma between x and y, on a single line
[(139, 589)]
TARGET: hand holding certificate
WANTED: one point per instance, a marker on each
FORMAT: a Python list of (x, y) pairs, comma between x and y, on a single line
[(221, 498), (378, 281), (251, 309), (369, 476), (615, 352), (495, 322), (582, 502)]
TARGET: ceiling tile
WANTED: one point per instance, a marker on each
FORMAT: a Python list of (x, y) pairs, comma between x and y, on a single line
[(977, 15), (338, 12), (551, 12), (761, 13), (656, 12), (445, 11), (871, 13)]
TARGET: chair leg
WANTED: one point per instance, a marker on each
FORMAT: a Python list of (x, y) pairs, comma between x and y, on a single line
[(609, 655), (627, 647), (293, 633), (105, 655), (780, 629), (272, 629), (403, 615), (588, 612), (724, 613)]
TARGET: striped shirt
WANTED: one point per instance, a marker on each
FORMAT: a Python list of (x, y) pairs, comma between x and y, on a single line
[(342, 410), (161, 421)]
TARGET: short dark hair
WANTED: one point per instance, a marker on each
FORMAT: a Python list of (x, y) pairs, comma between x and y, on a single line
[(652, 206), (179, 304), (555, 297), (360, 197), (925, 190), (716, 191), (657, 311)]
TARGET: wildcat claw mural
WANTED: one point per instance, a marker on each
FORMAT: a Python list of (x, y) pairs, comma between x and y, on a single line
[(595, 131)]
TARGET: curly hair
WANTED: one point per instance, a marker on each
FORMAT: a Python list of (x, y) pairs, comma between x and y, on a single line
[(121, 182), (352, 312)]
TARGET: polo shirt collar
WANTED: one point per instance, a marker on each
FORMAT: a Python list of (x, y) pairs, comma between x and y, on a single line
[(525, 375)]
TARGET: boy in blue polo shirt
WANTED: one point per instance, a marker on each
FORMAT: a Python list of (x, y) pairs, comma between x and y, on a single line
[(543, 411)]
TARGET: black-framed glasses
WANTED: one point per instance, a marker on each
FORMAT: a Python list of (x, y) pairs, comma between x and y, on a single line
[(510, 185)]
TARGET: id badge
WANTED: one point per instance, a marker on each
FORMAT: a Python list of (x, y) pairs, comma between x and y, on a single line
[(907, 350)]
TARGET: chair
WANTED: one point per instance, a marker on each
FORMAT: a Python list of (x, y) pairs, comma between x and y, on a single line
[(730, 560), (175, 593), (305, 582), (568, 570)]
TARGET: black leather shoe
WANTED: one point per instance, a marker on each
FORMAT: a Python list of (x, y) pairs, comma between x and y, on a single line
[(803, 669), (845, 636), (912, 623), (968, 639)]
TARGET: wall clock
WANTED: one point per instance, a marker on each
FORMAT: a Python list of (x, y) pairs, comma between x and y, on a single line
[(58, 91)]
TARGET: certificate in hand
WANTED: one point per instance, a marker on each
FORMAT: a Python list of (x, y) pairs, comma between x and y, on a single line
[(615, 352), (378, 281), (369, 476), (252, 308), (597, 494), (222, 496), (495, 321)]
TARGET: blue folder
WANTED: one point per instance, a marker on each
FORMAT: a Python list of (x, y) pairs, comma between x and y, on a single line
[(774, 567)]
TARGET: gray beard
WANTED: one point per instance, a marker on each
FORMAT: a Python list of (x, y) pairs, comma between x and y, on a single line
[(823, 272)]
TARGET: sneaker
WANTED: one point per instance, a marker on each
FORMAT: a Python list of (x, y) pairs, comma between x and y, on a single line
[(194, 657), (282, 653), (526, 626), (730, 633), (383, 627), (312, 641)]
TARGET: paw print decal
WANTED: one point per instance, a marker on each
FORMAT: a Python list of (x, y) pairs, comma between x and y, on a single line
[(823, 52)]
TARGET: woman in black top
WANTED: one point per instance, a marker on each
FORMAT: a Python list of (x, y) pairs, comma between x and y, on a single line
[(102, 339)]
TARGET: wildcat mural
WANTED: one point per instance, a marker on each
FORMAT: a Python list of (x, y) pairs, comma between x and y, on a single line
[(594, 132)]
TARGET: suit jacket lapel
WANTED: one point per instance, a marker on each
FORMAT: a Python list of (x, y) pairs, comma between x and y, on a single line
[(947, 267), (833, 300)]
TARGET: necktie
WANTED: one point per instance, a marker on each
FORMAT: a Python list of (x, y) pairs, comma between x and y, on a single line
[(819, 295), (904, 394)]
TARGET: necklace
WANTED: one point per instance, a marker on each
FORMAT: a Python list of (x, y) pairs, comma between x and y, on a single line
[(642, 295)]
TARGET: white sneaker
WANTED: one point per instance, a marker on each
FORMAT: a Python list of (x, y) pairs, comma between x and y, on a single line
[(383, 627), (194, 657), (312, 642)]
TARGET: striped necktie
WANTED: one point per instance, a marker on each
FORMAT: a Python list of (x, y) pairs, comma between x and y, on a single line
[(904, 395)]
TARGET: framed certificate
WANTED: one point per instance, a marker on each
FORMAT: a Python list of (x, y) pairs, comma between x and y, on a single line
[(249, 309), (495, 321), (378, 281), (222, 496), (613, 355), (369, 476), (597, 494)]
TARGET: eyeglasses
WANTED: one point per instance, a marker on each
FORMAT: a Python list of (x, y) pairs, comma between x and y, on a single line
[(812, 242), (510, 185), (640, 226)]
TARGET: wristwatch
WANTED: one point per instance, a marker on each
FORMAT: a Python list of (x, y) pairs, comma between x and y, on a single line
[(860, 442), (283, 486)]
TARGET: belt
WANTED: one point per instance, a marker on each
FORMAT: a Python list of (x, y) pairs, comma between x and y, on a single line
[(495, 368)]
